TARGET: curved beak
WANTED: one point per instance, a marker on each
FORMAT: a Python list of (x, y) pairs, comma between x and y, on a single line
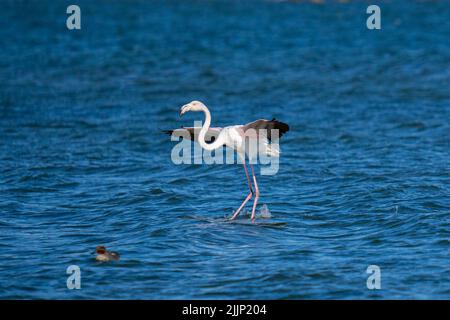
[(182, 110)]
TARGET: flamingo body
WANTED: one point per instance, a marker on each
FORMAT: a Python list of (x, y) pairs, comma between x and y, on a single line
[(241, 138)]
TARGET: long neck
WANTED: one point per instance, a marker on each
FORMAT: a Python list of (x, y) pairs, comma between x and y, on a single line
[(201, 136)]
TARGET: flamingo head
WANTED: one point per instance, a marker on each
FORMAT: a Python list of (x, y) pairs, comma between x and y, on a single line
[(100, 249), (192, 106)]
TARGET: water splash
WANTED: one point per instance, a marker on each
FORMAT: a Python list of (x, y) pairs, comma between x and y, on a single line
[(264, 212)]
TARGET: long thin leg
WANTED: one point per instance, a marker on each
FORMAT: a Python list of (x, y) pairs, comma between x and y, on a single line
[(249, 195), (256, 193)]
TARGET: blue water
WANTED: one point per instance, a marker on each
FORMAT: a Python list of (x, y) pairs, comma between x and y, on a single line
[(364, 177)]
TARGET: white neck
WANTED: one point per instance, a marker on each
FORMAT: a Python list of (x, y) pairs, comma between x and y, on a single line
[(220, 140)]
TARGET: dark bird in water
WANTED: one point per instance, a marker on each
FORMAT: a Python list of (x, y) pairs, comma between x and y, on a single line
[(104, 255)]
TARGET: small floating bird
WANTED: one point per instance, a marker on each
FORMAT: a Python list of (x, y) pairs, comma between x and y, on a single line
[(104, 255), (237, 137)]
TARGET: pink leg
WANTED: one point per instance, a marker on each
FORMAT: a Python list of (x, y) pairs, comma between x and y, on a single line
[(248, 197), (256, 193)]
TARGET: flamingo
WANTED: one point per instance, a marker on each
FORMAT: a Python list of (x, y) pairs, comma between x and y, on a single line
[(234, 137)]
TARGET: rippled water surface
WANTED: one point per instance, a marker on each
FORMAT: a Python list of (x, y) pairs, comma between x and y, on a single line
[(364, 175)]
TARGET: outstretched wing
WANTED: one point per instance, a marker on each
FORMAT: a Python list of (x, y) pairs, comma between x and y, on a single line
[(192, 133), (267, 125)]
